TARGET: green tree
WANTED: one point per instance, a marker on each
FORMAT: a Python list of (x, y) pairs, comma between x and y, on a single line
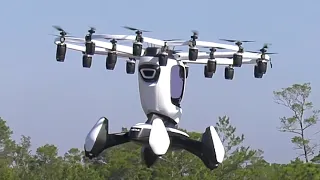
[(6, 151), (22, 157), (304, 116), (237, 155)]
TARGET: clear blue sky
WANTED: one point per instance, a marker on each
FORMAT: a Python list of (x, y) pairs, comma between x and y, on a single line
[(59, 102)]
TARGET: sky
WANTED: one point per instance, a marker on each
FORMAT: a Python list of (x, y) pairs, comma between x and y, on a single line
[(58, 103)]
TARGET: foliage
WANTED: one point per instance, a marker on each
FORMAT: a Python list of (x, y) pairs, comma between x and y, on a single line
[(124, 162), (295, 98)]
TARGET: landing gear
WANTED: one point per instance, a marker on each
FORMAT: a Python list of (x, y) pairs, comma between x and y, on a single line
[(130, 67), (111, 60), (257, 73), (228, 73), (61, 52), (237, 60), (148, 156), (262, 67), (99, 139), (86, 61), (137, 49), (163, 59)]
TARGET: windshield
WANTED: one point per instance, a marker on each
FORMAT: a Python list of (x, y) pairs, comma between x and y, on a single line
[(151, 51), (177, 85)]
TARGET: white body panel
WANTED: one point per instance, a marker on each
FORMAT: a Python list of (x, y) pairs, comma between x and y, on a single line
[(149, 126), (156, 96), (159, 139), (218, 146), (93, 134)]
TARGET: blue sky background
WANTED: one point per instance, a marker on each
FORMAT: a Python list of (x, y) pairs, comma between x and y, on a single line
[(59, 102)]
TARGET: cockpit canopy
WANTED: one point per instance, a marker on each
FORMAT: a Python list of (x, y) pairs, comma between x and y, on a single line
[(152, 51), (155, 51)]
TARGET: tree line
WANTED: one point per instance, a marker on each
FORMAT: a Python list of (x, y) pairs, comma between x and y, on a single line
[(124, 162)]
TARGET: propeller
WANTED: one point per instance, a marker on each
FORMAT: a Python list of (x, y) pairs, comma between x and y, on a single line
[(171, 40), (165, 47), (266, 45), (212, 51), (114, 44), (139, 32), (263, 52), (194, 37), (92, 30), (62, 31), (135, 29), (238, 43)]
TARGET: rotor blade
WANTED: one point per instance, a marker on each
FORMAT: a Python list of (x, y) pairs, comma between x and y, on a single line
[(60, 36), (212, 47), (253, 51), (115, 38), (234, 40), (176, 51), (260, 52), (92, 28), (173, 40), (134, 29), (58, 28), (228, 40), (195, 32), (266, 45)]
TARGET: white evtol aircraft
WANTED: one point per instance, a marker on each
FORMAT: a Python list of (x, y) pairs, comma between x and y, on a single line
[(162, 74)]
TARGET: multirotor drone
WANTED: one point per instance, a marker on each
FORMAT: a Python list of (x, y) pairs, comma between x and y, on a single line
[(162, 74)]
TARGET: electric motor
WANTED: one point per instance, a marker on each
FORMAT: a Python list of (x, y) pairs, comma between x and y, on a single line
[(137, 49), (86, 61), (237, 60), (256, 72), (193, 54), (163, 59), (130, 67), (61, 52), (262, 67), (90, 48), (207, 74), (228, 73), (211, 66), (111, 60)]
